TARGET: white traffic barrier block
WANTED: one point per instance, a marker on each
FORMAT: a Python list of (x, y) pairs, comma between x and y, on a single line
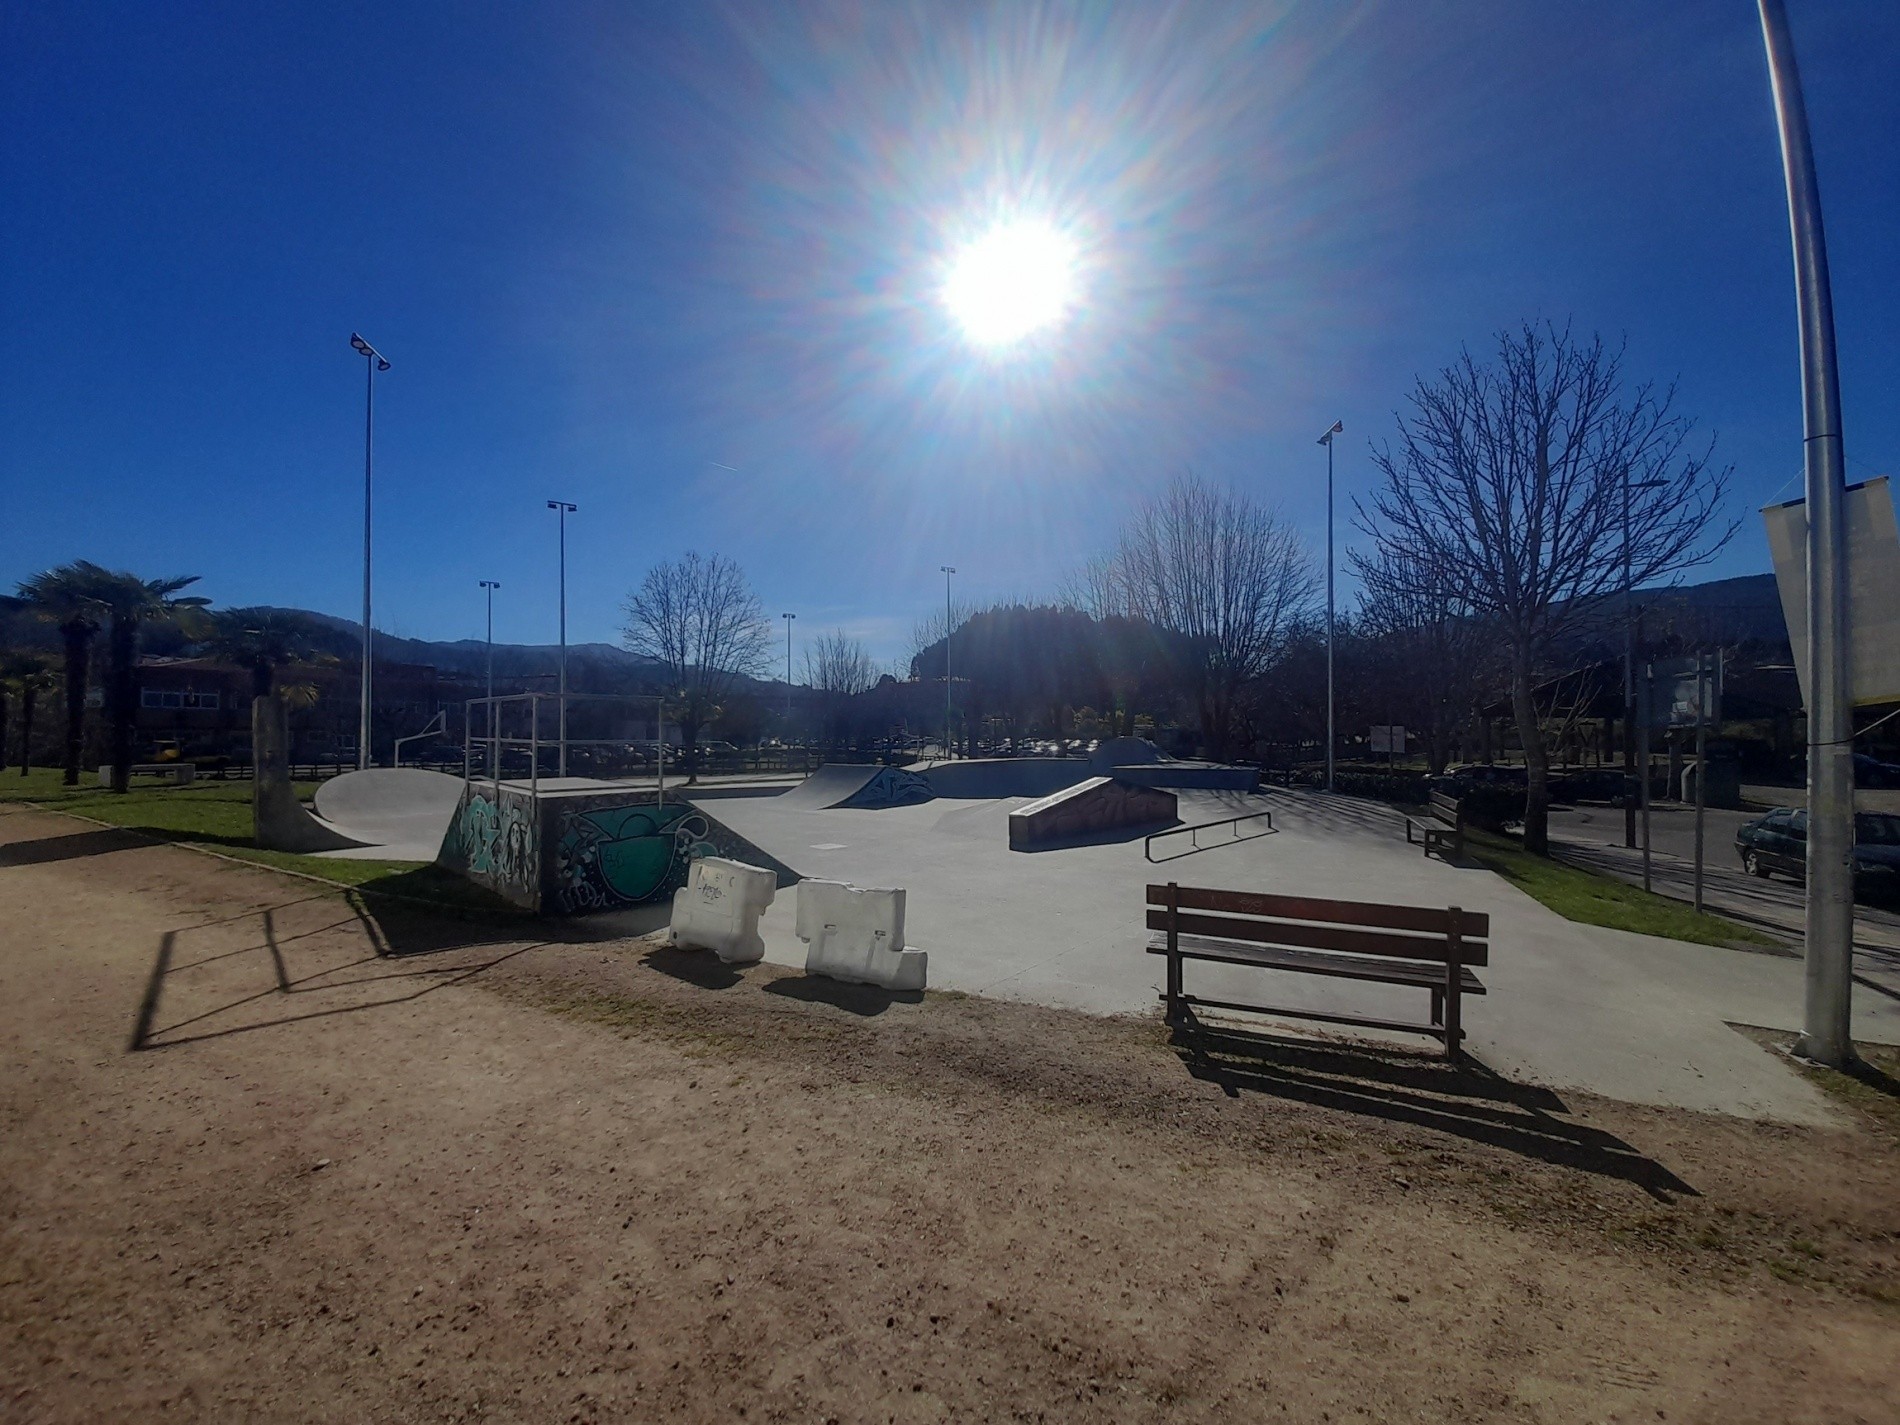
[(857, 936), (718, 909)]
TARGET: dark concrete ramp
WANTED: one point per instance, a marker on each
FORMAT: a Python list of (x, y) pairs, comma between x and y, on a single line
[(1098, 809), (863, 785)]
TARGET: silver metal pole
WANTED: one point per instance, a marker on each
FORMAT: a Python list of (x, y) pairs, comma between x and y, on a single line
[(788, 676), (1827, 1023), (1642, 769), (947, 616), (369, 434), (563, 509), (534, 742), (1702, 698), (659, 730), (1629, 678), (1332, 739)]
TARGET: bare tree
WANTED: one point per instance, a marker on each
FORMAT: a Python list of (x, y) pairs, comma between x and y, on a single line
[(838, 667), (1223, 573), (702, 621), (838, 663), (1524, 488), (1430, 644)]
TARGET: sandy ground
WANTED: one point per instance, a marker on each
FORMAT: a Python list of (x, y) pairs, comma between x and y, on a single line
[(274, 1153)]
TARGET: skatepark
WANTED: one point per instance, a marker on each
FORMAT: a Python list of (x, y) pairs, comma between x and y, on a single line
[(1634, 1017)]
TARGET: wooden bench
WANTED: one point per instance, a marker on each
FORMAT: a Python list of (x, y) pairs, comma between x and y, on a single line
[(180, 772), (1444, 826), (1390, 944)]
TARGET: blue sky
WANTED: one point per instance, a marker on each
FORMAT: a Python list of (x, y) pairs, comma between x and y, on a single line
[(680, 264)]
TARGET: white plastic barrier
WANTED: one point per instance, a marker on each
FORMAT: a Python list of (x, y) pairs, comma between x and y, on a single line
[(718, 909), (857, 936)]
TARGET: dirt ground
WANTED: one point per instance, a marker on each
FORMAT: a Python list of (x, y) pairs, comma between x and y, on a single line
[(275, 1153)]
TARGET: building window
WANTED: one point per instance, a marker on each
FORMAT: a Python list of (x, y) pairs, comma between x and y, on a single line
[(173, 698)]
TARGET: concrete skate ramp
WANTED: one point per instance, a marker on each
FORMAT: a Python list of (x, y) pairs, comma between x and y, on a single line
[(1115, 752), (984, 778), (864, 785), (397, 813), (1099, 809), (1208, 776)]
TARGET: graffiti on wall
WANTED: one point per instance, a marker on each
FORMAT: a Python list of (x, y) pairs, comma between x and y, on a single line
[(494, 842), (605, 857), (892, 787)]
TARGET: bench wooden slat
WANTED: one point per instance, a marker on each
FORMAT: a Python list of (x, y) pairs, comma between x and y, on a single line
[(1473, 924), (1323, 937), (1346, 967)]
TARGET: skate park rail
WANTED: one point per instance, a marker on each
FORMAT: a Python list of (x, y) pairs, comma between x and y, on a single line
[(1194, 840)]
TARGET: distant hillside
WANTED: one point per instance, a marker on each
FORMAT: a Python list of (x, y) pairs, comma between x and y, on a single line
[(590, 666)]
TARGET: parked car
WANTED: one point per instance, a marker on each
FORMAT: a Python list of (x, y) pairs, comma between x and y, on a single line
[(1778, 844), (1872, 772)]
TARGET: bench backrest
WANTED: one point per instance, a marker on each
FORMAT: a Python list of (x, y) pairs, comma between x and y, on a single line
[(1447, 806), (1404, 932)]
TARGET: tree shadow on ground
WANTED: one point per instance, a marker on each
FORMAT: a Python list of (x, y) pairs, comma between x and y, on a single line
[(1462, 1098), (45, 850), (864, 1000)]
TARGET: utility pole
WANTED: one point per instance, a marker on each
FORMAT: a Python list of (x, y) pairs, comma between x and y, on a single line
[(1827, 1024), (373, 361), (947, 571), (1331, 740), (788, 674), (563, 509), (491, 585)]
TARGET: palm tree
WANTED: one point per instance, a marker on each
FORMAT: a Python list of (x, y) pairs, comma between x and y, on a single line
[(70, 598), (267, 640), (29, 674), (132, 603)]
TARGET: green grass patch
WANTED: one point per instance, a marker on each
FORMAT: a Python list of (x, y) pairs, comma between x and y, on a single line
[(1590, 899), (217, 817)]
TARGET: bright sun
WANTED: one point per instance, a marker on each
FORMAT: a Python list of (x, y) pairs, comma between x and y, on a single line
[(1016, 279)]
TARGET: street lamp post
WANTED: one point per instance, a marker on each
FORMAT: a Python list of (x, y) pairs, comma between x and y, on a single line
[(788, 673), (1331, 740), (1631, 796), (563, 509), (373, 361), (947, 570), (1827, 1022), (491, 585)]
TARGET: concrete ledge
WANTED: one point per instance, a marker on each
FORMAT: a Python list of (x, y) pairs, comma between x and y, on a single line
[(1087, 811)]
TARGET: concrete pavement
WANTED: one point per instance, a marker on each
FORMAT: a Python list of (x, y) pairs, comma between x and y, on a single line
[(1633, 1017)]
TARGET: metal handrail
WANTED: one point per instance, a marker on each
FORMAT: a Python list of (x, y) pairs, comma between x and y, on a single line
[(1147, 844)]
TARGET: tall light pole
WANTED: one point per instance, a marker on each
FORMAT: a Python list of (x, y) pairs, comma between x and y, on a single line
[(563, 510), (788, 674), (1827, 1025), (491, 585), (947, 571), (489, 722), (373, 361), (1331, 741), (1631, 796)]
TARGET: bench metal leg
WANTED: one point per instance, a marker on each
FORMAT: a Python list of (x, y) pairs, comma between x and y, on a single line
[(1174, 989), (1454, 1019)]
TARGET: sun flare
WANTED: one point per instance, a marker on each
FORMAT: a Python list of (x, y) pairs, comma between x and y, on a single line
[(1016, 279)]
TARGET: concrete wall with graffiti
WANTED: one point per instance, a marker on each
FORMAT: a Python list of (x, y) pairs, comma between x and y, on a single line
[(608, 852), (576, 853), (495, 843)]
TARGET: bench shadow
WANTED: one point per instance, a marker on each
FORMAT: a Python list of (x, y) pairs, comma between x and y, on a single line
[(863, 1000), (695, 967), (1462, 1098)]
